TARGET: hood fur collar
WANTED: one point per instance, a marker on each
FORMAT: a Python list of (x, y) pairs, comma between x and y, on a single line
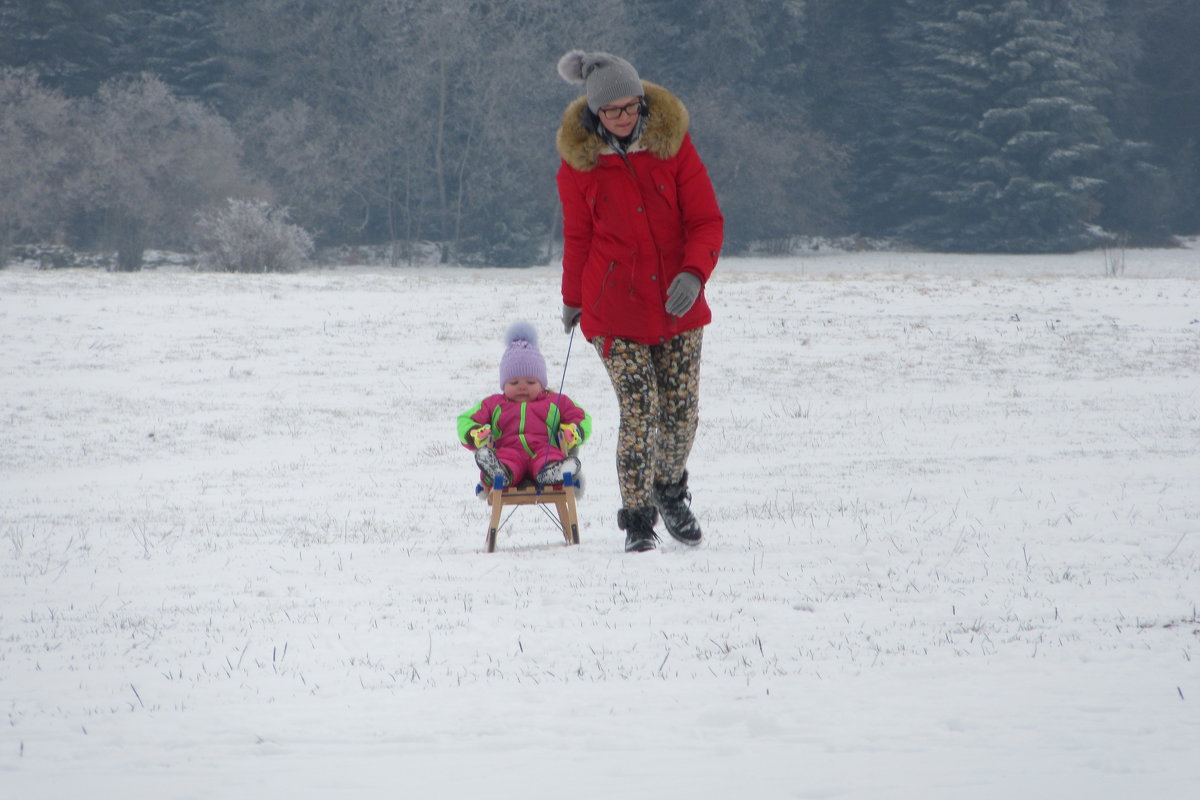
[(665, 128)]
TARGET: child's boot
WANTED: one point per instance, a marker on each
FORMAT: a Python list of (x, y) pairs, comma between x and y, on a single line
[(491, 465), (554, 471)]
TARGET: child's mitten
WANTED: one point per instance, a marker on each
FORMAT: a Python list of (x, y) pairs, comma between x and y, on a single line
[(571, 434), (480, 435)]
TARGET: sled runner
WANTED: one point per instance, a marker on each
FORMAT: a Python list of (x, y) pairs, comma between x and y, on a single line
[(527, 493)]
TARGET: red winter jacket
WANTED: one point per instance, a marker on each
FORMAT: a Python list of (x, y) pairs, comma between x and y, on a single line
[(631, 225)]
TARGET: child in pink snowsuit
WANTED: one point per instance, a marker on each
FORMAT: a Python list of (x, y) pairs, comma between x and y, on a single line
[(515, 433)]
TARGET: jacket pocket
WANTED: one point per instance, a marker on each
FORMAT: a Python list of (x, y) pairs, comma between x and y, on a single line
[(664, 185)]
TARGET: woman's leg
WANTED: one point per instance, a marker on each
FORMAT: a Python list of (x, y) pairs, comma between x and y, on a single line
[(677, 372), (631, 370)]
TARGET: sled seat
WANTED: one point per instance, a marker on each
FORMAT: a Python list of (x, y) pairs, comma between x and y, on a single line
[(528, 493)]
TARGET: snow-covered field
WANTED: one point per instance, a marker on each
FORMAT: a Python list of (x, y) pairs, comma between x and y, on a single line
[(952, 516)]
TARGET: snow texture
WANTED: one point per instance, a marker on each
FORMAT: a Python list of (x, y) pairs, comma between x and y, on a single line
[(952, 538)]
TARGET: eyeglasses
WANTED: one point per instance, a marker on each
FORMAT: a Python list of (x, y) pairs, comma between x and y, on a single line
[(633, 109)]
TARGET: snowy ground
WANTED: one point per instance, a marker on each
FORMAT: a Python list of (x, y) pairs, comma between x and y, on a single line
[(952, 541)]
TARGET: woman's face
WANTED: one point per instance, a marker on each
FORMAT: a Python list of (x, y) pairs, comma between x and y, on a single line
[(620, 115)]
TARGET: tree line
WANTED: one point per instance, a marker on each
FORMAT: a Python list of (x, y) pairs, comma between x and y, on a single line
[(1006, 126)]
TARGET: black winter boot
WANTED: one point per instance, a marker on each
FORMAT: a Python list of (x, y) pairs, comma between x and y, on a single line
[(674, 502), (638, 524)]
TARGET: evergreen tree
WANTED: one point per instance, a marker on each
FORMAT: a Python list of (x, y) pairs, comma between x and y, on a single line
[(845, 55), (69, 43), (995, 141), (1161, 105), (1138, 198), (75, 45), (176, 41), (848, 61)]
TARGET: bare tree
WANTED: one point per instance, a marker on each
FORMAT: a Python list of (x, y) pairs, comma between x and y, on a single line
[(410, 119)]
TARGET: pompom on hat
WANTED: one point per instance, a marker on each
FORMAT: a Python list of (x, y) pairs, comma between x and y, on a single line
[(605, 77), (521, 358)]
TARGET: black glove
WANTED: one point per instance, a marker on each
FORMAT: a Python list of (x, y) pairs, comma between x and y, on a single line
[(570, 317)]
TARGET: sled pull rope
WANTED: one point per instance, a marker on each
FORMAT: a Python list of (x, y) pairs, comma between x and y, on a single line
[(561, 383)]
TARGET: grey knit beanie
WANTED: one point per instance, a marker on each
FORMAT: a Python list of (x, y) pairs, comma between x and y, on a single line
[(605, 77)]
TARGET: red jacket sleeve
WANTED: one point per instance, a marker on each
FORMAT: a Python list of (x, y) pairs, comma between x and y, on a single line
[(577, 235), (703, 223)]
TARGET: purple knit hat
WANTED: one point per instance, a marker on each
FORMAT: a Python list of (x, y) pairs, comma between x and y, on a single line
[(521, 358)]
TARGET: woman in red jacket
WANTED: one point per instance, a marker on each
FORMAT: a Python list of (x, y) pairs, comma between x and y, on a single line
[(642, 230)]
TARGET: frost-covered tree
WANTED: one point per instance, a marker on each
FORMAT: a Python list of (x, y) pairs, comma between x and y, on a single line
[(150, 161), (409, 119), (35, 157), (501, 164), (348, 111)]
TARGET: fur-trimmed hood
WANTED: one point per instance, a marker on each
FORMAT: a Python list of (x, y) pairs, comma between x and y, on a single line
[(666, 126)]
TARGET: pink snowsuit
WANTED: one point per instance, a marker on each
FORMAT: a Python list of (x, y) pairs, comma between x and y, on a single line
[(524, 435)]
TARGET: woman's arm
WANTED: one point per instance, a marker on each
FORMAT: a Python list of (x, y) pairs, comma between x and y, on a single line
[(577, 235), (704, 225)]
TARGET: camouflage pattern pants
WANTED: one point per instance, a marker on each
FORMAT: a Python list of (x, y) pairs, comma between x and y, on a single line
[(658, 392)]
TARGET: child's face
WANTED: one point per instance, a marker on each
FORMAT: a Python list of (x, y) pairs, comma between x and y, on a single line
[(522, 390)]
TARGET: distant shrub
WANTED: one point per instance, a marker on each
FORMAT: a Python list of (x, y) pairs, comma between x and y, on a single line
[(251, 236)]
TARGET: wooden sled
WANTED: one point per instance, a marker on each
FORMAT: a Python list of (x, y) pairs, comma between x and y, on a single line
[(527, 493)]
